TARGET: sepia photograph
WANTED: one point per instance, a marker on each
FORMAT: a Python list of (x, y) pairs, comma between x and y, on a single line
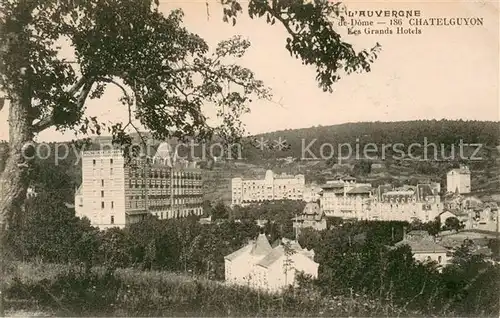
[(249, 158)]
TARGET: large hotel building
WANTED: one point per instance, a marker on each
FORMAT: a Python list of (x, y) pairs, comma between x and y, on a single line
[(347, 199), (114, 194), (271, 187)]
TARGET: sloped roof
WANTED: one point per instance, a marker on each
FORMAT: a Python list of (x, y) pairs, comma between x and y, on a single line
[(311, 208), (333, 185), (261, 246), (422, 246), (239, 252), (360, 190), (399, 193), (279, 251), (293, 244), (424, 190), (272, 257)]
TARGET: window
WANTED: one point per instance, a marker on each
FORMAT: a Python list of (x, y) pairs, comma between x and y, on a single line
[(112, 219), (440, 259), (112, 204), (111, 161), (102, 204), (93, 162), (102, 182), (102, 194)]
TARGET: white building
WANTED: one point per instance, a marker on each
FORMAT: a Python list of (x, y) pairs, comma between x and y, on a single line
[(424, 248), (260, 266), (458, 179), (272, 187), (407, 204), (113, 194), (345, 198), (443, 216)]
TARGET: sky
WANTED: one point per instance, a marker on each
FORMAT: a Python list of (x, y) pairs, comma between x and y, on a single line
[(445, 72)]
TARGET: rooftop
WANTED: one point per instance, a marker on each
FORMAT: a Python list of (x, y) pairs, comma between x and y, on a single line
[(261, 246), (360, 190), (461, 170), (312, 208), (422, 246), (272, 257)]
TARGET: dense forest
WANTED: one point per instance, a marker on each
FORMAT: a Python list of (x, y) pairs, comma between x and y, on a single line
[(445, 132)]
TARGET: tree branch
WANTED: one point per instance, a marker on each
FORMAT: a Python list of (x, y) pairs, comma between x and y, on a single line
[(48, 121)]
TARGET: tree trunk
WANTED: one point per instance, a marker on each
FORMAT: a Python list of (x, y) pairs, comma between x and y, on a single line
[(14, 179)]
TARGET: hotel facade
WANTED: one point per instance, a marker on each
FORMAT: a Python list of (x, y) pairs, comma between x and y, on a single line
[(115, 194), (411, 203), (347, 199), (272, 187)]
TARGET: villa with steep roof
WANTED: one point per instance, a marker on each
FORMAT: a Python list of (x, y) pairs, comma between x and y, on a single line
[(312, 217), (260, 266)]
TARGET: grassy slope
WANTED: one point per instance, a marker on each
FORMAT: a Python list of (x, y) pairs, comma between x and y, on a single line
[(138, 293)]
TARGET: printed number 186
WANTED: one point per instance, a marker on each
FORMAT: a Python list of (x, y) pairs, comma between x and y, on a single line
[(396, 22)]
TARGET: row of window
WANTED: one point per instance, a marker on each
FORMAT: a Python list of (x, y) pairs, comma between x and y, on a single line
[(157, 206), (102, 160), (177, 214), (154, 197), (161, 174), (165, 186), (268, 187)]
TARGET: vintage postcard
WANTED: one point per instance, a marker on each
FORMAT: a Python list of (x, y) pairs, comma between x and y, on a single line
[(267, 158)]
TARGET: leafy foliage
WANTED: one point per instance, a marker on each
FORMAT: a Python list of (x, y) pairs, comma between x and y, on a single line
[(128, 44), (312, 37), (50, 232), (369, 267), (355, 263)]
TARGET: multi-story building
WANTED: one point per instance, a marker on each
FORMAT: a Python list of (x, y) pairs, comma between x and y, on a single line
[(114, 194), (345, 198), (272, 187), (458, 180), (421, 202)]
